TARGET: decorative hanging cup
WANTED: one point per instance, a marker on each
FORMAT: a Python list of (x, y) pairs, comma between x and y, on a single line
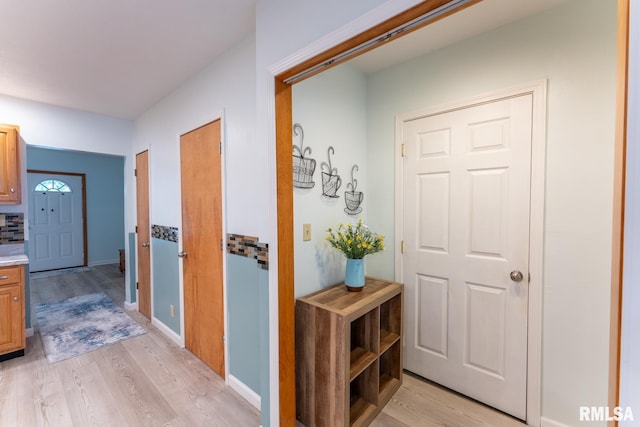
[(353, 198), (303, 167)]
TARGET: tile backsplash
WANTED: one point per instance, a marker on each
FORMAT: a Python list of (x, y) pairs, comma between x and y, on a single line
[(13, 230), (250, 247)]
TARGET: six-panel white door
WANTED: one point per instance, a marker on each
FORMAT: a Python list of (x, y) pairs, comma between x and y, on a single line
[(55, 223), (466, 181)]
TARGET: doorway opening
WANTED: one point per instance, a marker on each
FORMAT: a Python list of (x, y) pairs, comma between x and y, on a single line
[(58, 220), (284, 138)]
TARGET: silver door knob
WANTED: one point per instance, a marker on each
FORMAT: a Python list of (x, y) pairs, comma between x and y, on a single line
[(516, 276), (16, 299), (182, 254), (145, 245)]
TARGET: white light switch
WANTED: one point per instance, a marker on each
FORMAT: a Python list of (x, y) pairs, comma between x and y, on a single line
[(3, 220), (306, 232)]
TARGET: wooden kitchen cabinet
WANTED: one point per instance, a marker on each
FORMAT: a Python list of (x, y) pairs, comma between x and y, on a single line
[(348, 353), (12, 312), (10, 165)]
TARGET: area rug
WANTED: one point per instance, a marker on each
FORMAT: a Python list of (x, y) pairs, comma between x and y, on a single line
[(82, 324)]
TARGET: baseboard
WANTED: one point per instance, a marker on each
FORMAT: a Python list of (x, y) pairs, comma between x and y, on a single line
[(105, 262), (243, 390), (130, 306), (167, 331), (28, 332), (546, 422)]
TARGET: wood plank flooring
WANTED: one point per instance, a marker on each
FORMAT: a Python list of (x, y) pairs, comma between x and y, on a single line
[(425, 404), (143, 381), (150, 381)]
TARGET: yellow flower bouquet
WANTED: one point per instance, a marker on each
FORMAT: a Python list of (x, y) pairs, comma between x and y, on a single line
[(355, 241)]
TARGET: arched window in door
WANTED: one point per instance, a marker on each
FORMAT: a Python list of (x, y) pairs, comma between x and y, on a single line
[(53, 185)]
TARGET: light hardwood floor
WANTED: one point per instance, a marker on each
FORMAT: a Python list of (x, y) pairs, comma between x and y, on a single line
[(422, 403), (143, 381), (150, 381)]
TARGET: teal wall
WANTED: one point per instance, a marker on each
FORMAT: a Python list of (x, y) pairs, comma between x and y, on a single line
[(105, 195), (263, 290), (131, 266), (248, 323), (27, 289), (244, 319), (166, 290)]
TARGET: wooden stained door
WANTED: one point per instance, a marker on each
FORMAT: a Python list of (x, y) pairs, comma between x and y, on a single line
[(202, 253), (466, 179), (143, 231)]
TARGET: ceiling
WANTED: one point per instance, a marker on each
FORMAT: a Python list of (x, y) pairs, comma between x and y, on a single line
[(119, 57), (474, 20), (115, 57)]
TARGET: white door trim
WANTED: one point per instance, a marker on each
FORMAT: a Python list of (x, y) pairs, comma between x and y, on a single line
[(538, 90)]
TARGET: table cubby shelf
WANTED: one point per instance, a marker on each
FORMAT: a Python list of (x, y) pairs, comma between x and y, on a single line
[(348, 353)]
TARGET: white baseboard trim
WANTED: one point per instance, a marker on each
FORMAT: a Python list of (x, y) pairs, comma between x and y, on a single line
[(28, 332), (129, 306), (167, 331), (547, 422), (243, 390)]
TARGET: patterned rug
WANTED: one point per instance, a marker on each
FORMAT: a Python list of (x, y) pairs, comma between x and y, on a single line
[(82, 324)]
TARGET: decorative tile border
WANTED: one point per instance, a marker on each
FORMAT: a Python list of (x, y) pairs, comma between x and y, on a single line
[(13, 230), (250, 247), (164, 232)]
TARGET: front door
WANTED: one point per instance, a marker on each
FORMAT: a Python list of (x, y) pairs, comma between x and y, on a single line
[(143, 231), (201, 175), (466, 178), (56, 221)]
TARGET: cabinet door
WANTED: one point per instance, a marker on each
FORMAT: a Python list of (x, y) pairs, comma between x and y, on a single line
[(9, 165), (11, 318)]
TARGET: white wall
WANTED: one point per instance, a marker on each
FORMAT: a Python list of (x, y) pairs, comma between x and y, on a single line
[(51, 126), (226, 86), (331, 107), (574, 47), (630, 353)]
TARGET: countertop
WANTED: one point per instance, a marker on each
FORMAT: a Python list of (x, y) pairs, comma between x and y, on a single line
[(8, 260)]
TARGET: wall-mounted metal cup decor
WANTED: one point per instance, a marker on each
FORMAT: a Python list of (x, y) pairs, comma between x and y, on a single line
[(331, 181), (303, 167), (353, 198)]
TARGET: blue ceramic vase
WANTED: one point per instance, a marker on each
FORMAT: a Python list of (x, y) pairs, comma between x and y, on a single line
[(354, 274)]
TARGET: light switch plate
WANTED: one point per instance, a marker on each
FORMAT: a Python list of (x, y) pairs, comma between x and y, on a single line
[(3, 220), (306, 232)]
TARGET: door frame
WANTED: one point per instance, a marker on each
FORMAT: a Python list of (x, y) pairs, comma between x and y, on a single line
[(184, 129), (538, 90), (279, 124), (83, 176)]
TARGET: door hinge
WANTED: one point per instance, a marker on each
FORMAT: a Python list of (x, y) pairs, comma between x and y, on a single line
[(223, 338), (221, 245), (402, 150), (136, 228), (137, 285), (135, 172), (220, 145), (402, 246)]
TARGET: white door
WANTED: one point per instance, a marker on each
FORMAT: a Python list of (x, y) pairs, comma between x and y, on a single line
[(56, 229), (466, 179)]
